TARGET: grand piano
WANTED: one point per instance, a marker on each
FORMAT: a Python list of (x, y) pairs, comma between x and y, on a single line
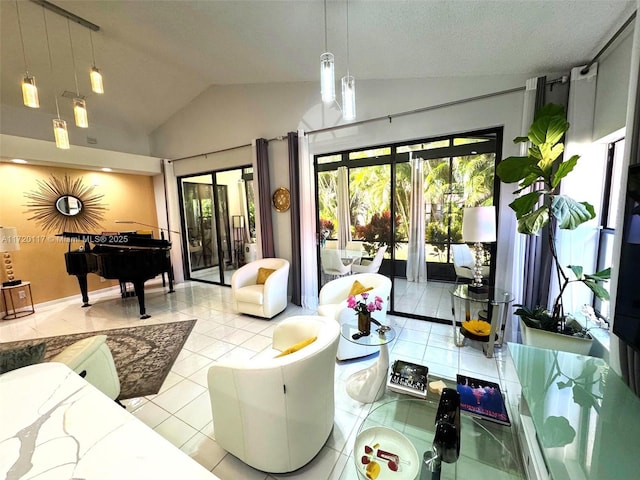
[(126, 257)]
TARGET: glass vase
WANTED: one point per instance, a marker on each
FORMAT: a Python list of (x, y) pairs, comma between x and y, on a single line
[(364, 323)]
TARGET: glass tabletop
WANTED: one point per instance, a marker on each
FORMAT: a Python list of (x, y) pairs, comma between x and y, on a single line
[(487, 449), (493, 295), (375, 339), (586, 418)]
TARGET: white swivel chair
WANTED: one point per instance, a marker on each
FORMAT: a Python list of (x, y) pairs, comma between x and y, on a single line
[(333, 304), (464, 262), (275, 414), (91, 358), (370, 266), (332, 264), (265, 299)]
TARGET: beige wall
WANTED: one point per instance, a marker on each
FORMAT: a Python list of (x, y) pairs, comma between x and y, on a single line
[(40, 259)]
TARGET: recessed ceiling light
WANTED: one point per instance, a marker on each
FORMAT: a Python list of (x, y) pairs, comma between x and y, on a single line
[(18, 160), (106, 169)]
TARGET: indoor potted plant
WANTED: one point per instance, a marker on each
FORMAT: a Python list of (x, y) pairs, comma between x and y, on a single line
[(539, 174)]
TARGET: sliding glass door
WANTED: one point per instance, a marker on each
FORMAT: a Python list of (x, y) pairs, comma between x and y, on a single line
[(408, 198), (217, 214)]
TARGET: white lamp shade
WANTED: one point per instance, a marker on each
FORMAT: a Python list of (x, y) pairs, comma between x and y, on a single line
[(9, 239), (349, 98), (96, 80), (479, 224), (30, 92), (80, 112), (60, 133), (327, 78)]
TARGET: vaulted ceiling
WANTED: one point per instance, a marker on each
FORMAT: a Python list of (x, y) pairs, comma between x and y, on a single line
[(157, 56)]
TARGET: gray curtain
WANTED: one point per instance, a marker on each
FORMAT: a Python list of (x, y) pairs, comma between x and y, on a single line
[(264, 193), (294, 190)]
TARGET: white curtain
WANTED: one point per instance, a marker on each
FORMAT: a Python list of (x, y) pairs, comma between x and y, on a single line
[(584, 184), (344, 217), (416, 262), (308, 239)]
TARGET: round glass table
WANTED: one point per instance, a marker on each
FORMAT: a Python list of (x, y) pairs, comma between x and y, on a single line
[(368, 385), (487, 449)]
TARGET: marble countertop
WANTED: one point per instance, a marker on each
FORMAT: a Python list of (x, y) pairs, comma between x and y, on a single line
[(54, 425)]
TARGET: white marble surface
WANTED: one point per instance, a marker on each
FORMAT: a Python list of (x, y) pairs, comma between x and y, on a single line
[(54, 425)]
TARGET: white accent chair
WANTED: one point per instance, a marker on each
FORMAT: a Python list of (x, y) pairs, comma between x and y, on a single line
[(266, 300), (464, 262), (275, 414), (370, 266), (332, 264), (91, 359), (332, 303)]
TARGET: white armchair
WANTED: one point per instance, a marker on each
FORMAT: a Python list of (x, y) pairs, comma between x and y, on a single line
[(370, 266), (275, 414), (332, 303), (262, 300), (91, 359)]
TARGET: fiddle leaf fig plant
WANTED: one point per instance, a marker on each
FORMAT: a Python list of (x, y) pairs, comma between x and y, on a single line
[(539, 203)]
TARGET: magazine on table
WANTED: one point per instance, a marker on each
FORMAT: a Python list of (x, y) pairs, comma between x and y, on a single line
[(482, 398), (410, 378)]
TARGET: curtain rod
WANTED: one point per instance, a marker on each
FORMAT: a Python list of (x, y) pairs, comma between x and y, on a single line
[(608, 44), (66, 14), (417, 110), (279, 137)]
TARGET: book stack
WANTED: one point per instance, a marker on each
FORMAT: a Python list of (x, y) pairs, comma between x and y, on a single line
[(410, 378)]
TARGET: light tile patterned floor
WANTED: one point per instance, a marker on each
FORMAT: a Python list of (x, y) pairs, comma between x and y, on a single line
[(181, 411)]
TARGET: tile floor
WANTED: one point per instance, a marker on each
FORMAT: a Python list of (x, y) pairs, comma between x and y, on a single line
[(181, 411)]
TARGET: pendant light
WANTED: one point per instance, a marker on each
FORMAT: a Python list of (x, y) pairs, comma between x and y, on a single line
[(79, 104), (29, 89), (327, 68), (60, 132), (348, 86), (94, 74)]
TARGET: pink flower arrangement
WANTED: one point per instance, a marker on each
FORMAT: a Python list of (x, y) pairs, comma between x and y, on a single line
[(362, 306)]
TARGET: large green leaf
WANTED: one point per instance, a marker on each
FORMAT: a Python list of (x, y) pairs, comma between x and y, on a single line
[(548, 129), (514, 169), (549, 154), (570, 213), (532, 223), (563, 169), (577, 271), (550, 109), (526, 203), (597, 289), (601, 276)]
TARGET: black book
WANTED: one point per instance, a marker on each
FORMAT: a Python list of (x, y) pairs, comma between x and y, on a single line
[(410, 378), (482, 398)]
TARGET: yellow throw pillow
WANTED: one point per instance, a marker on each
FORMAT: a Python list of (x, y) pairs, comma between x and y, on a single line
[(263, 274), (357, 288), (296, 347)]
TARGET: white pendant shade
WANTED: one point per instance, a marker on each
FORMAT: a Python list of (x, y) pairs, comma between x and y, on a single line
[(327, 78), (479, 224), (30, 92), (80, 113), (60, 133), (96, 80), (348, 98)]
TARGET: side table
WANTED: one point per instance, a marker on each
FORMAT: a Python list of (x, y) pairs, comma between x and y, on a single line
[(494, 300), (368, 385), (18, 300)]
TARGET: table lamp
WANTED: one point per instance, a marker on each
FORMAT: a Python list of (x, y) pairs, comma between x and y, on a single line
[(9, 243), (478, 226)]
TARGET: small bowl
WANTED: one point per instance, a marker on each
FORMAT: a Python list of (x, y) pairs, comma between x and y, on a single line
[(388, 440)]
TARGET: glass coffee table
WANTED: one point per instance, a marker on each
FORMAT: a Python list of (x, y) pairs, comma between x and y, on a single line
[(487, 449), (368, 385)]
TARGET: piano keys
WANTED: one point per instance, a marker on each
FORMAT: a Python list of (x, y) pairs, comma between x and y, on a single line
[(125, 257)]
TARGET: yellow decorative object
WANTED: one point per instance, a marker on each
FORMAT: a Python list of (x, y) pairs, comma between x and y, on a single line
[(477, 327), (373, 470), (263, 274), (357, 288), (296, 347), (281, 199), (437, 387)]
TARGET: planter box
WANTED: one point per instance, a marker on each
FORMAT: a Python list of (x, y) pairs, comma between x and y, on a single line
[(554, 341)]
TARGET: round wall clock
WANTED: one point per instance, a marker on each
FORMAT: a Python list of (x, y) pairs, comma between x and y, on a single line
[(281, 199)]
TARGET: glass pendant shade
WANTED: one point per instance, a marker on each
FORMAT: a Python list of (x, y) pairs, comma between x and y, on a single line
[(80, 113), (327, 78), (30, 92), (96, 80), (60, 133), (348, 98)]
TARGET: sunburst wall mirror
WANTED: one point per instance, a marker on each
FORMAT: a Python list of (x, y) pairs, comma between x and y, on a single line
[(65, 205)]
